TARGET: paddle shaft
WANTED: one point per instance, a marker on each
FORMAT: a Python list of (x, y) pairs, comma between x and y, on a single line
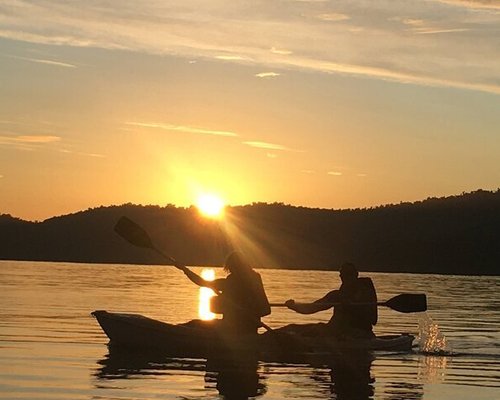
[(405, 303), (382, 303)]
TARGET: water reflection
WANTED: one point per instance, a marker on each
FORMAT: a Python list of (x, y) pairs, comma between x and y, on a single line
[(342, 376), (233, 382), (351, 375), (206, 294), (432, 369)]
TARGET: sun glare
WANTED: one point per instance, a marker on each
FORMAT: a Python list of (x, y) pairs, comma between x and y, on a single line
[(210, 206), (206, 294)]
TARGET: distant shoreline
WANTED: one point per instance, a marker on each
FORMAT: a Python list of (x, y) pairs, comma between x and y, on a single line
[(125, 265), (456, 235)]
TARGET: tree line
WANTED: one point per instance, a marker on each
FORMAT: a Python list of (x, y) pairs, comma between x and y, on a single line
[(449, 235)]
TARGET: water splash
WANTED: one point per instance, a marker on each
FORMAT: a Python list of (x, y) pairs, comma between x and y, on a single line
[(430, 339)]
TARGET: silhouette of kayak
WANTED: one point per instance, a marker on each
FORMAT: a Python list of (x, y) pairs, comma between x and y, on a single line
[(137, 331)]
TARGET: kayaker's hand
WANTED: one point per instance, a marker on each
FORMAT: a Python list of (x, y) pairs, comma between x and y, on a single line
[(290, 304)]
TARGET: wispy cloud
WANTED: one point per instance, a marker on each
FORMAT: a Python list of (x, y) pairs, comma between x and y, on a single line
[(267, 75), (281, 52), (37, 139), (28, 142), (332, 17), (42, 61), (437, 30), (267, 146), (421, 27), (481, 4), (232, 58), (80, 153), (334, 173), (29, 139), (457, 46), (181, 128)]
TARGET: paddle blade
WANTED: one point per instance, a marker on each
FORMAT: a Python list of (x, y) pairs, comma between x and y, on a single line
[(133, 233), (408, 303)]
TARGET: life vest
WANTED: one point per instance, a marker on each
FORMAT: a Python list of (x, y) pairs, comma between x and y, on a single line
[(367, 294), (352, 314), (242, 301)]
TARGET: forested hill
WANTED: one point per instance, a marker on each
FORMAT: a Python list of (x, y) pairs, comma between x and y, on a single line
[(452, 235)]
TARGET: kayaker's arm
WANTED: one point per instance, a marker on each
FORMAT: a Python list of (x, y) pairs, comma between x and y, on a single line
[(307, 308), (319, 305), (198, 280)]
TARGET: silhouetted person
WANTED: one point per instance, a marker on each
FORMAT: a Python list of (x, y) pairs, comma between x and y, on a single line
[(241, 299), (350, 318)]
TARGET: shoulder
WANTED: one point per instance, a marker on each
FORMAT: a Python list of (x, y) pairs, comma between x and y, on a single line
[(366, 282), (332, 293), (330, 297)]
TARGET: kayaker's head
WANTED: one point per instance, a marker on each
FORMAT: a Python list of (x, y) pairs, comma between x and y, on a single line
[(236, 263), (348, 272)]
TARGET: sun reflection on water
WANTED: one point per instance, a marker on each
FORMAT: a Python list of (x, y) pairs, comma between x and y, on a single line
[(206, 294)]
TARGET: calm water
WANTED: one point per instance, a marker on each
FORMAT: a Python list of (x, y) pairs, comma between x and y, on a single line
[(51, 348)]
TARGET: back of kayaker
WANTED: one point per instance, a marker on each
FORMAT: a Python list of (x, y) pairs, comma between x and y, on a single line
[(243, 302), (241, 298)]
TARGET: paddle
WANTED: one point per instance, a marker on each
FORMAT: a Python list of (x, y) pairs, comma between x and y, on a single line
[(137, 236), (404, 303)]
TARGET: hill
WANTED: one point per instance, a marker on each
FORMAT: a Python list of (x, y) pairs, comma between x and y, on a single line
[(452, 235)]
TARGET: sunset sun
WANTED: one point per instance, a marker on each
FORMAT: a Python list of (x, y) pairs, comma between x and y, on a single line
[(210, 205)]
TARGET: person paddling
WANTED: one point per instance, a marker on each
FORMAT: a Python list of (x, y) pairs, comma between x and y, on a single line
[(355, 311), (241, 299)]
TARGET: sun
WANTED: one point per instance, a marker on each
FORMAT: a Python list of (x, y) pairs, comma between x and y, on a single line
[(210, 206)]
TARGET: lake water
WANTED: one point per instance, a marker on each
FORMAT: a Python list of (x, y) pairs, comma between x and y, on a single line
[(51, 348)]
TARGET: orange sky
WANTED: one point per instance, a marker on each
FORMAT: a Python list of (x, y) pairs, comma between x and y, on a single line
[(314, 103)]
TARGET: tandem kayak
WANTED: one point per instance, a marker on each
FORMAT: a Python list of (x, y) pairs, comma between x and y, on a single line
[(184, 340)]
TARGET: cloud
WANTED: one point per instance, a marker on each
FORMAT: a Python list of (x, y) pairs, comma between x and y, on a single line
[(81, 153), (362, 175), (42, 61), (267, 146), (333, 17), (281, 52), (474, 4), (232, 58), (412, 22), (267, 75), (37, 139), (181, 128), (467, 59), (1, 176), (421, 27), (29, 139), (437, 30), (334, 173)]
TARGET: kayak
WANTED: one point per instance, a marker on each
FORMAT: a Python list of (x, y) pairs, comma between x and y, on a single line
[(185, 340)]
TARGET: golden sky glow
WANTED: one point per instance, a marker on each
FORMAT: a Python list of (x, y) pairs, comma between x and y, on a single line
[(330, 104)]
